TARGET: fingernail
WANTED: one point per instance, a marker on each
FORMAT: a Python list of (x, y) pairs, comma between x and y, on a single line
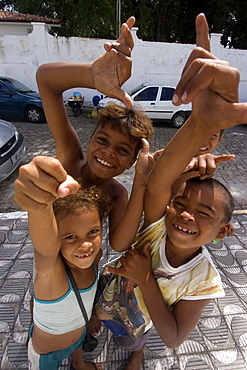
[(175, 99), (184, 97)]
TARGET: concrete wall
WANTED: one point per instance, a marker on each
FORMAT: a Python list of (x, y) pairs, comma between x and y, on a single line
[(153, 62)]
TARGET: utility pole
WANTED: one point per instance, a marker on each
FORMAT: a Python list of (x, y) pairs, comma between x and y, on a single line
[(118, 17)]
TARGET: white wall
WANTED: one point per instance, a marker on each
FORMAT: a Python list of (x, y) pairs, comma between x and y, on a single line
[(153, 62)]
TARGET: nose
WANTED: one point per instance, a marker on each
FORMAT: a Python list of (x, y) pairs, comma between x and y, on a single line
[(109, 151), (84, 244), (187, 216)]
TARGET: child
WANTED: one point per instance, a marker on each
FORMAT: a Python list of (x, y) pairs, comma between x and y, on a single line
[(211, 143), (167, 276), (63, 230)]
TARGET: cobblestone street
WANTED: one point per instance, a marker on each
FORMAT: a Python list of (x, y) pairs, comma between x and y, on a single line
[(39, 141)]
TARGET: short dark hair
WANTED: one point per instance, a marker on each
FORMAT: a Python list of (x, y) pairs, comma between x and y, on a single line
[(133, 122), (228, 200), (86, 198)]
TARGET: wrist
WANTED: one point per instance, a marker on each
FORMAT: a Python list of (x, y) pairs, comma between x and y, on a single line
[(147, 283), (140, 180)]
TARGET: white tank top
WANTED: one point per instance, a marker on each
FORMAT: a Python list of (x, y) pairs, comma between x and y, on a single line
[(64, 315)]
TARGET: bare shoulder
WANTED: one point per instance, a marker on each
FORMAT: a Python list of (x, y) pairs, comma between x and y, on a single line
[(118, 190), (73, 162)]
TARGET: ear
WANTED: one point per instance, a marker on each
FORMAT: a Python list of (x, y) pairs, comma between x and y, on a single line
[(225, 230), (131, 163)]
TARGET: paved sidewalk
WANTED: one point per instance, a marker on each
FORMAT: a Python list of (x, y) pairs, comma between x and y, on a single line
[(220, 339)]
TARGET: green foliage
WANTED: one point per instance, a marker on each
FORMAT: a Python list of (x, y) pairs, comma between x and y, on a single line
[(157, 20)]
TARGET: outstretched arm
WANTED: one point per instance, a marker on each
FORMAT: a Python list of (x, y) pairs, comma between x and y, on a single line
[(106, 74), (212, 86), (39, 184), (123, 228)]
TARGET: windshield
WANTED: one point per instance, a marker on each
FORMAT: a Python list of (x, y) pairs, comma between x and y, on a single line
[(16, 85), (133, 91)]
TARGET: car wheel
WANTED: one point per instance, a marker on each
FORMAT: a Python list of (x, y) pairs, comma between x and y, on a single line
[(35, 115), (178, 120)]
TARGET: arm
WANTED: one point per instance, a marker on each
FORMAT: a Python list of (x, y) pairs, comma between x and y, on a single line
[(212, 86), (39, 184), (106, 74), (124, 226), (172, 326)]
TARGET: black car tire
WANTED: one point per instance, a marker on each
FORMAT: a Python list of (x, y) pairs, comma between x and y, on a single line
[(178, 120), (35, 115)]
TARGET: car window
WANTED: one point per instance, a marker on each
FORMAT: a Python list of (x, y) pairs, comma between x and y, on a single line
[(133, 91), (16, 85), (167, 93), (3, 89), (148, 94)]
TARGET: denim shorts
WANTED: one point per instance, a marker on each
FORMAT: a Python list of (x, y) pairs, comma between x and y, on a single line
[(51, 360)]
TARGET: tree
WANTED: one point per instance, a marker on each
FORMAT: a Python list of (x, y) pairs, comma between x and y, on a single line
[(157, 20)]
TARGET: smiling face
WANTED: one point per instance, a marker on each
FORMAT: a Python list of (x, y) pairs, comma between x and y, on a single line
[(109, 152), (210, 145), (196, 216), (81, 237)]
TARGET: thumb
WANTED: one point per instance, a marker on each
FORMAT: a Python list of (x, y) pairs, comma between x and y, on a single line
[(114, 270), (146, 251), (67, 187), (122, 95), (145, 146)]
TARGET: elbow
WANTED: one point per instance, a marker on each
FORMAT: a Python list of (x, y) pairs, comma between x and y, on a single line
[(173, 342), (172, 345), (117, 246), (40, 73)]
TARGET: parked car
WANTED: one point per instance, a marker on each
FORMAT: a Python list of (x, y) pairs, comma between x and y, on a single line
[(156, 101), (12, 149), (19, 100)]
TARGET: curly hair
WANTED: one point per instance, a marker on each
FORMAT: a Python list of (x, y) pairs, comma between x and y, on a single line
[(85, 199), (133, 122)]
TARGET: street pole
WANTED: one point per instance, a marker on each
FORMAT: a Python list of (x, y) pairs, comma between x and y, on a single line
[(118, 17)]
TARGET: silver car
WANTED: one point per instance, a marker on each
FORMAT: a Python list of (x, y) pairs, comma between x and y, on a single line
[(12, 148)]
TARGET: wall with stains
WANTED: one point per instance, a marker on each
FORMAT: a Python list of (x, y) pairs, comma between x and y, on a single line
[(153, 62)]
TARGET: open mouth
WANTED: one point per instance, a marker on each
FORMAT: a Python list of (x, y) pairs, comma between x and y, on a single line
[(84, 255), (203, 150), (104, 163), (184, 229)]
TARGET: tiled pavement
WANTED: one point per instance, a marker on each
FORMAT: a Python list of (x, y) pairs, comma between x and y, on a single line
[(220, 339)]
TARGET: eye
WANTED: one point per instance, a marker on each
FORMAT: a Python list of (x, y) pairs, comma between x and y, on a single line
[(204, 214), (94, 231), (102, 139), (70, 237), (178, 204), (123, 150)]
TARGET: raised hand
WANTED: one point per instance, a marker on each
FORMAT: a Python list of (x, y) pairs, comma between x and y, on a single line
[(211, 85), (206, 164), (41, 182), (145, 162), (113, 68)]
